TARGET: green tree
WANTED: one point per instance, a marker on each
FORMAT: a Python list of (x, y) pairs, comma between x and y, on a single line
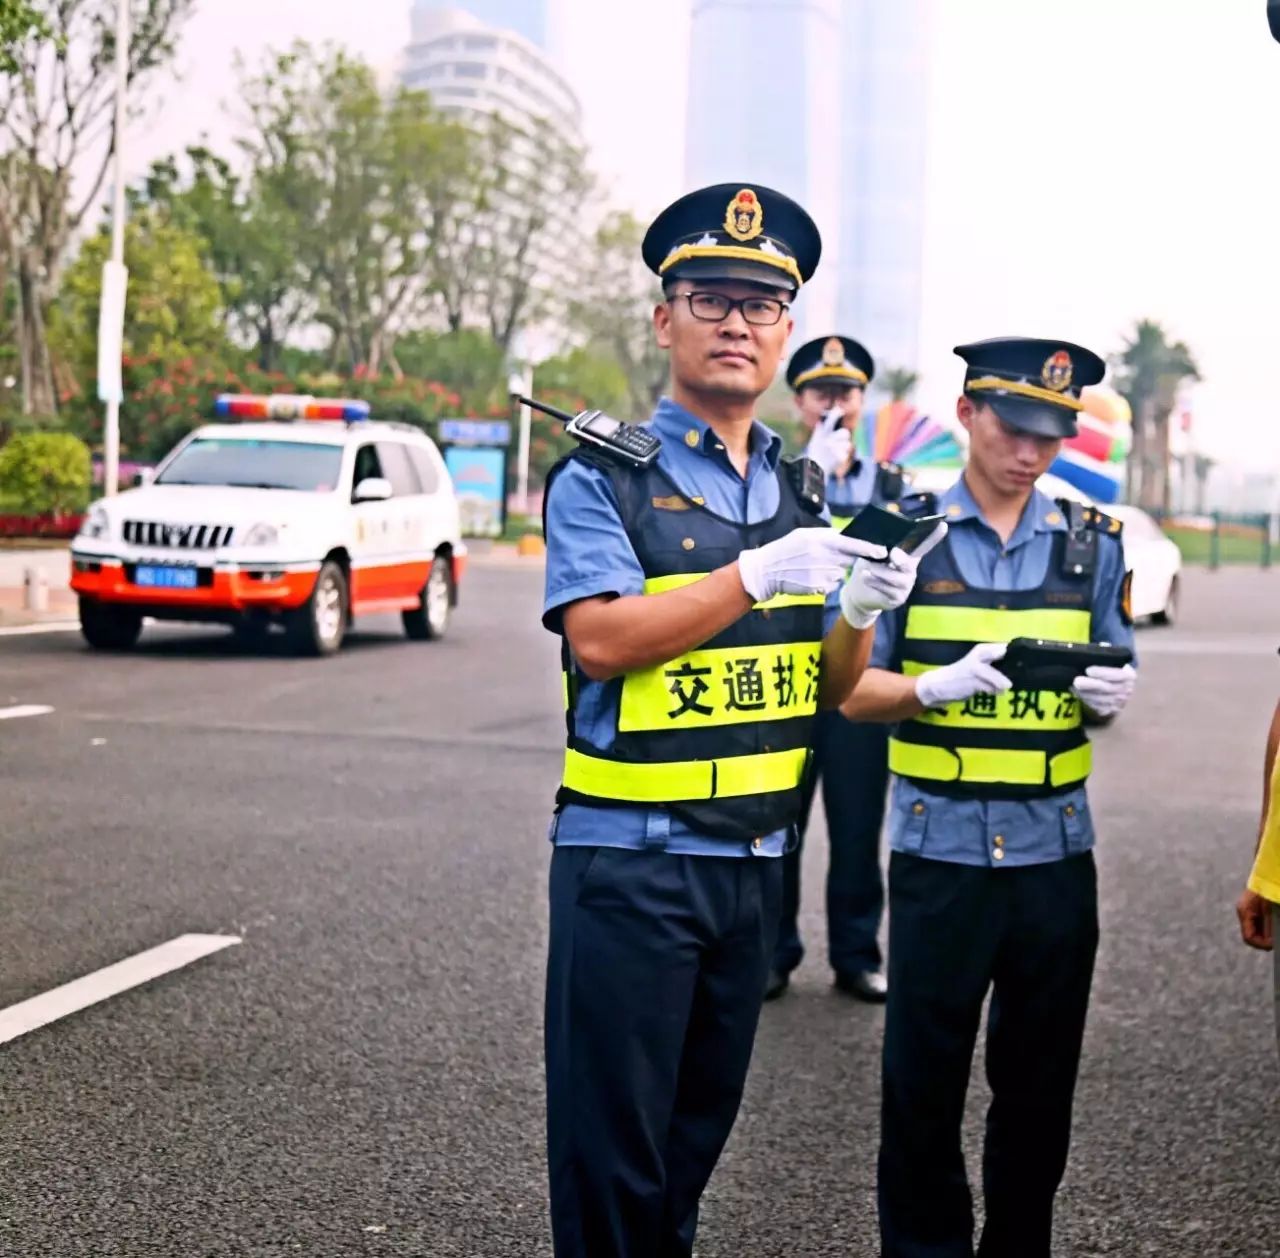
[(19, 22), (469, 359), (615, 315), (250, 233), (45, 473), (173, 309), (900, 382), (362, 172), (56, 116), (1149, 371)]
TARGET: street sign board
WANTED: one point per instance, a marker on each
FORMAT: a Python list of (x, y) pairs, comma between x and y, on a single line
[(475, 432)]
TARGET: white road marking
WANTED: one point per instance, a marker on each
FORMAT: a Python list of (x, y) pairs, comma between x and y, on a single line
[(80, 993), (25, 709), (48, 626)]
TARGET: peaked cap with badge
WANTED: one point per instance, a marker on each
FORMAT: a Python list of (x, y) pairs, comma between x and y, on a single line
[(734, 231), (1033, 384), (838, 360)]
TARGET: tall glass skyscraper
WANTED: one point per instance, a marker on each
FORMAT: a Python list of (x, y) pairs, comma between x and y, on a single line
[(882, 179), (764, 107), (826, 101)]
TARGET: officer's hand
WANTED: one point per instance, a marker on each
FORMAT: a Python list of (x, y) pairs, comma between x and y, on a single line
[(1255, 921), (805, 561), (873, 588), (1104, 690), (973, 675), (831, 446)]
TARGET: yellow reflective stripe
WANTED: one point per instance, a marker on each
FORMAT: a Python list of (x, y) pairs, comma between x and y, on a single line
[(673, 782), (678, 580), (1071, 766), (1031, 711), (991, 624), (723, 686), (988, 765), (841, 522)]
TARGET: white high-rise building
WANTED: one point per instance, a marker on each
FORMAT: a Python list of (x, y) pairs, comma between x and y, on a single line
[(477, 72)]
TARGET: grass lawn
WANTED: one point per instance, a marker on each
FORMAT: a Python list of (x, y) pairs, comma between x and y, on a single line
[(1237, 544)]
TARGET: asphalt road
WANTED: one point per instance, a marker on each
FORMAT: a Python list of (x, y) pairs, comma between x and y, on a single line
[(362, 1075)]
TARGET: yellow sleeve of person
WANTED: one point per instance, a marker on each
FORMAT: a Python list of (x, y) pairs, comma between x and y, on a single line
[(1265, 878)]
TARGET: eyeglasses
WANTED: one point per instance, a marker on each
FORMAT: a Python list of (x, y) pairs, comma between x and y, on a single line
[(763, 312)]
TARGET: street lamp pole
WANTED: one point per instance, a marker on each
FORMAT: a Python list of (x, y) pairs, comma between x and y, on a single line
[(111, 319)]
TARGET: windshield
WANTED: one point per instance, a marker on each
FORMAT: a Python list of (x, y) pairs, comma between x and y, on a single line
[(252, 464)]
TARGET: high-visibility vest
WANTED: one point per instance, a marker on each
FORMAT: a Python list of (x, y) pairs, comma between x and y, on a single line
[(1265, 878), (1019, 744), (721, 737)]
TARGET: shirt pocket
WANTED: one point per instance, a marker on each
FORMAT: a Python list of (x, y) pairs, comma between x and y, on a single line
[(915, 821), (1077, 829)]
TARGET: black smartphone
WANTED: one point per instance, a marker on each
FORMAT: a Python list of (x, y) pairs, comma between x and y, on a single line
[(889, 529), (1042, 664)]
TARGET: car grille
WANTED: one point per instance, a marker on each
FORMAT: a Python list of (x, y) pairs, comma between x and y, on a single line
[(178, 536)]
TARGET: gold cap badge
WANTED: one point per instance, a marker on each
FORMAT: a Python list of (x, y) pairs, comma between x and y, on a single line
[(744, 216), (1056, 372), (833, 352)]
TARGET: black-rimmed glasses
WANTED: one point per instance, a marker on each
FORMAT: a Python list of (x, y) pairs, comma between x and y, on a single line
[(763, 312)]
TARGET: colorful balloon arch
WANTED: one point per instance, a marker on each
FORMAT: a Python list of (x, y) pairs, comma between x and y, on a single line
[(1093, 461)]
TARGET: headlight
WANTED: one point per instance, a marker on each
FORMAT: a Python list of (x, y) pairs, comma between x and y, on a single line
[(96, 524), (261, 535)]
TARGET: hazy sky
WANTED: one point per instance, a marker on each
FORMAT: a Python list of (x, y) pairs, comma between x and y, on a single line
[(1090, 163)]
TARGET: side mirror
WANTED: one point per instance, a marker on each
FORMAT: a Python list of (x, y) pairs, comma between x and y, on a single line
[(372, 489), (144, 477)]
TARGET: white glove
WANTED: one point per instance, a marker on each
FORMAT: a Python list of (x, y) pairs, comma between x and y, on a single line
[(1104, 690), (831, 446), (805, 561), (873, 588), (973, 675)]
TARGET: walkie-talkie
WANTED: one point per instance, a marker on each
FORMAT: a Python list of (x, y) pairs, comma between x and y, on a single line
[(628, 442)]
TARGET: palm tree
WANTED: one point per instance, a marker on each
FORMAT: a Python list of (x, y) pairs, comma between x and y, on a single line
[(1149, 371), (899, 381)]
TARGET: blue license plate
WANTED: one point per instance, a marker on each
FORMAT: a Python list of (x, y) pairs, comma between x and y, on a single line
[(159, 576)]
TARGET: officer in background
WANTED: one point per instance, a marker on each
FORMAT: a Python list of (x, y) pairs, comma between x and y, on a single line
[(829, 376), (698, 646), (991, 878)]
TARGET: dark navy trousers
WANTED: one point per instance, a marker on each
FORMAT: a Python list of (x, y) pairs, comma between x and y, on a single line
[(655, 977), (955, 931), (852, 763)]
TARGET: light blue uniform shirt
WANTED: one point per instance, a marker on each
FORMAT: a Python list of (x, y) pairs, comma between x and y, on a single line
[(1032, 831), (589, 554), (847, 495)]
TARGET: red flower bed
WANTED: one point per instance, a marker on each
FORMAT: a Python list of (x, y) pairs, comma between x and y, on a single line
[(39, 525)]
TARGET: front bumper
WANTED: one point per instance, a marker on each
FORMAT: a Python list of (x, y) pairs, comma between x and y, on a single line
[(223, 590)]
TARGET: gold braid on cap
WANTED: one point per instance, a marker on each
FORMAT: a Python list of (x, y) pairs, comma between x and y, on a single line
[(1021, 389)]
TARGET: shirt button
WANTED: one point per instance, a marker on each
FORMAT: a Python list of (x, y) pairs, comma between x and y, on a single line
[(757, 843), (999, 840), (691, 438), (917, 808), (688, 543), (998, 854), (1070, 810)]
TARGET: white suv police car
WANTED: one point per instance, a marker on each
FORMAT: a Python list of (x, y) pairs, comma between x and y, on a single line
[(276, 519)]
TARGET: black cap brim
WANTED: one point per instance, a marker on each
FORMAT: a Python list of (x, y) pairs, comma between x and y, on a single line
[(743, 270), (1027, 415)]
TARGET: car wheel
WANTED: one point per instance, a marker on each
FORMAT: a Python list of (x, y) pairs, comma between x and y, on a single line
[(1169, 614), (320, 624), (109, 628), (430, 619)]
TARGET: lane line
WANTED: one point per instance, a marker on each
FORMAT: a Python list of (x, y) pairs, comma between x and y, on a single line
[(51, 626), (80, 993), (25, 709)]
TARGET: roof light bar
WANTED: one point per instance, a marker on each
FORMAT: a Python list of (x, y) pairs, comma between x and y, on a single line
[(288, 406)]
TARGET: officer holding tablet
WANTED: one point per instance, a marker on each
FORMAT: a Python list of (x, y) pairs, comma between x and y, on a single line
[(991, 878)]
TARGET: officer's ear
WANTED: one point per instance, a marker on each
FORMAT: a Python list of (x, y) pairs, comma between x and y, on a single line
[(966, 411), (662, 324)]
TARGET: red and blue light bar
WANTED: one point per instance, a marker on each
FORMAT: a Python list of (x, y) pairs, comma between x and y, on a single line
[(289, 406)]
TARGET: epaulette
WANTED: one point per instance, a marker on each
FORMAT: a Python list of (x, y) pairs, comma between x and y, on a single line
[(913, 505), (809, 482), (1079, 516)]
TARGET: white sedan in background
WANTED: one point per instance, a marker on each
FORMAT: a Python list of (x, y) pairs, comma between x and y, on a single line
[(1156, 562)]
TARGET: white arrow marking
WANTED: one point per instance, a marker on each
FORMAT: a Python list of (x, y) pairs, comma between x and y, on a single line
[(25, 709), (29, 1015)]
